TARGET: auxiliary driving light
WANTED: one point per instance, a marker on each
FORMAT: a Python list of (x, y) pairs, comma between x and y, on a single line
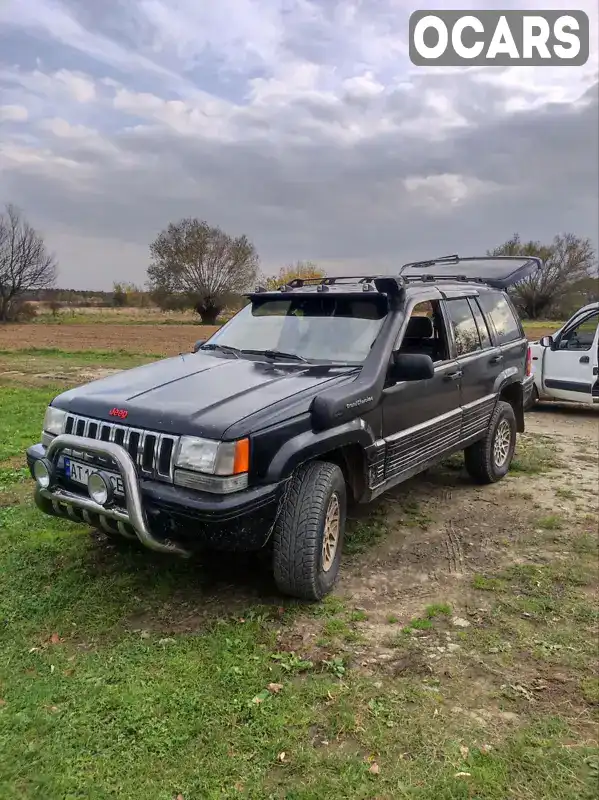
[(99, 488), (42, 471)]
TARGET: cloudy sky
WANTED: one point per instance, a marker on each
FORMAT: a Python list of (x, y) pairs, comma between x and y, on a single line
[(301, 123)]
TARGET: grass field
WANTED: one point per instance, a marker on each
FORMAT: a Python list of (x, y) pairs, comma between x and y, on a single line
[(458, 659)]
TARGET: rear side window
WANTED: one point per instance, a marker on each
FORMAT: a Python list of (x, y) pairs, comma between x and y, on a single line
[(503, 318), (465, 330), (481, 323)]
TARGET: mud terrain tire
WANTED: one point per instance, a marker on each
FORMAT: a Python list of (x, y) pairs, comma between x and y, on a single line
[(309, 533)]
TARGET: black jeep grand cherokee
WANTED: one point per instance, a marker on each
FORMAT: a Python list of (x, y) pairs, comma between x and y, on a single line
[(313, 393)]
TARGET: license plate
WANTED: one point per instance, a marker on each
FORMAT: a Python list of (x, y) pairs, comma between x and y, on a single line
[(79, 473)]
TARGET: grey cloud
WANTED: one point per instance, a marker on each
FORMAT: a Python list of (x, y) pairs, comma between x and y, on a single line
[(295, 185)]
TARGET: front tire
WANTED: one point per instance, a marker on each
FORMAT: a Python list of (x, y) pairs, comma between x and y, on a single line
[(309, 533), (488, 460)]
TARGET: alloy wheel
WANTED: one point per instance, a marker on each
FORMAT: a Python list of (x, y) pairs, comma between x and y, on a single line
[(330, 539), (501, 443)]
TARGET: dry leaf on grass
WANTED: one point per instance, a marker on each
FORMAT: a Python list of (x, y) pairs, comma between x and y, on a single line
[(274, 688), (462, 775), (464, 751), (55, 639), (374, 769), (281, 757)]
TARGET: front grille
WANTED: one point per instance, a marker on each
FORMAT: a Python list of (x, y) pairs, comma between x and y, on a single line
[(151, 451)]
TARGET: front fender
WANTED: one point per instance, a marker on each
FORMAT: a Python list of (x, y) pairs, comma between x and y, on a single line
[(309, 445)]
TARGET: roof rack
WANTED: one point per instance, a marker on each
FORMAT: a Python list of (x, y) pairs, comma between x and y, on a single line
[(392, 284), (492, 273), (297, 283), (424, 278), (389, 284), (453, 259)]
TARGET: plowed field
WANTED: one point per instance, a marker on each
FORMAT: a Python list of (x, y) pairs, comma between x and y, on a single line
[(156, 339)]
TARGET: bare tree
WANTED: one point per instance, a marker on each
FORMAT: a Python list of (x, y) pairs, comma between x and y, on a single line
[(25, 263), (567, 260), (203, 263)]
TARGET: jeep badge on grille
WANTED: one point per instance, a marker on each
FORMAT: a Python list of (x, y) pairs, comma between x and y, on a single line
[(121, 413)]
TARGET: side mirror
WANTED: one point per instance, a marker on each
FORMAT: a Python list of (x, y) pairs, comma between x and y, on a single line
[(197, 345), (546, 341), (411, 367)]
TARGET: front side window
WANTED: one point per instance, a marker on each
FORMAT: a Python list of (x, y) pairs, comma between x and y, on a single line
[(465, 330), (505, 322), (315, 327), (425, 332), (582, 336)]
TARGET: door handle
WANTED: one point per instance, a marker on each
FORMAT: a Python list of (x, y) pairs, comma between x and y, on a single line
[(496, 359), (584, 359), (453, 376)]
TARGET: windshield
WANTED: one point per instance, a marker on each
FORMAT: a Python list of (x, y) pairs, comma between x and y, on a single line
[(317, 328)]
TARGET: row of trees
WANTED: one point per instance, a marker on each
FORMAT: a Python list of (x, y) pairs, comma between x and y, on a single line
[(195, 265)]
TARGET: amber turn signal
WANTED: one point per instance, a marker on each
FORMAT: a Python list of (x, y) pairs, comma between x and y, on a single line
[(242, 457)]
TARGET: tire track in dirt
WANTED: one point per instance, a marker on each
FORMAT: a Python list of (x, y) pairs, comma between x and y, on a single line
[(473, 528)]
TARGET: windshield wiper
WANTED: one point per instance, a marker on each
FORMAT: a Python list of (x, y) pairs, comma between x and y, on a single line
[(225, 348), (275, 354)]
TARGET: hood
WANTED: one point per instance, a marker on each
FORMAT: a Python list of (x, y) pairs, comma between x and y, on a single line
[(201, 394)]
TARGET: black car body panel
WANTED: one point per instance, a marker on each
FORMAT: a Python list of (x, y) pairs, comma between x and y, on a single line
[(201, 394), (362, 415)]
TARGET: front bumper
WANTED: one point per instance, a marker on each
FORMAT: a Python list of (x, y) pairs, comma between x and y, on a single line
[(163, 517)]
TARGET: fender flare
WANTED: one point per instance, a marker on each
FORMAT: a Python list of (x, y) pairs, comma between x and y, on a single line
[(309, 445), (512, 377), (506, 378)]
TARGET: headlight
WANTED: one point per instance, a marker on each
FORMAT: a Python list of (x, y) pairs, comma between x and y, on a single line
[(213, 458), (54, 420)]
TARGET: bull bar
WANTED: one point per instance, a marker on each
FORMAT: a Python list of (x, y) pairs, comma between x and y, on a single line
[(133, 515)]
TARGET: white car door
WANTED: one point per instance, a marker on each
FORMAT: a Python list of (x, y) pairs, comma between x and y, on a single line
[(570, 370)]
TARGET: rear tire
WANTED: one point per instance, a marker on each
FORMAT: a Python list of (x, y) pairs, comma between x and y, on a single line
[(309, 533), (488, 460), (534, 399)]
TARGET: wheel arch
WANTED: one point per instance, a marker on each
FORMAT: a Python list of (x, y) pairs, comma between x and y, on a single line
[(344, 446), (512, 392)]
